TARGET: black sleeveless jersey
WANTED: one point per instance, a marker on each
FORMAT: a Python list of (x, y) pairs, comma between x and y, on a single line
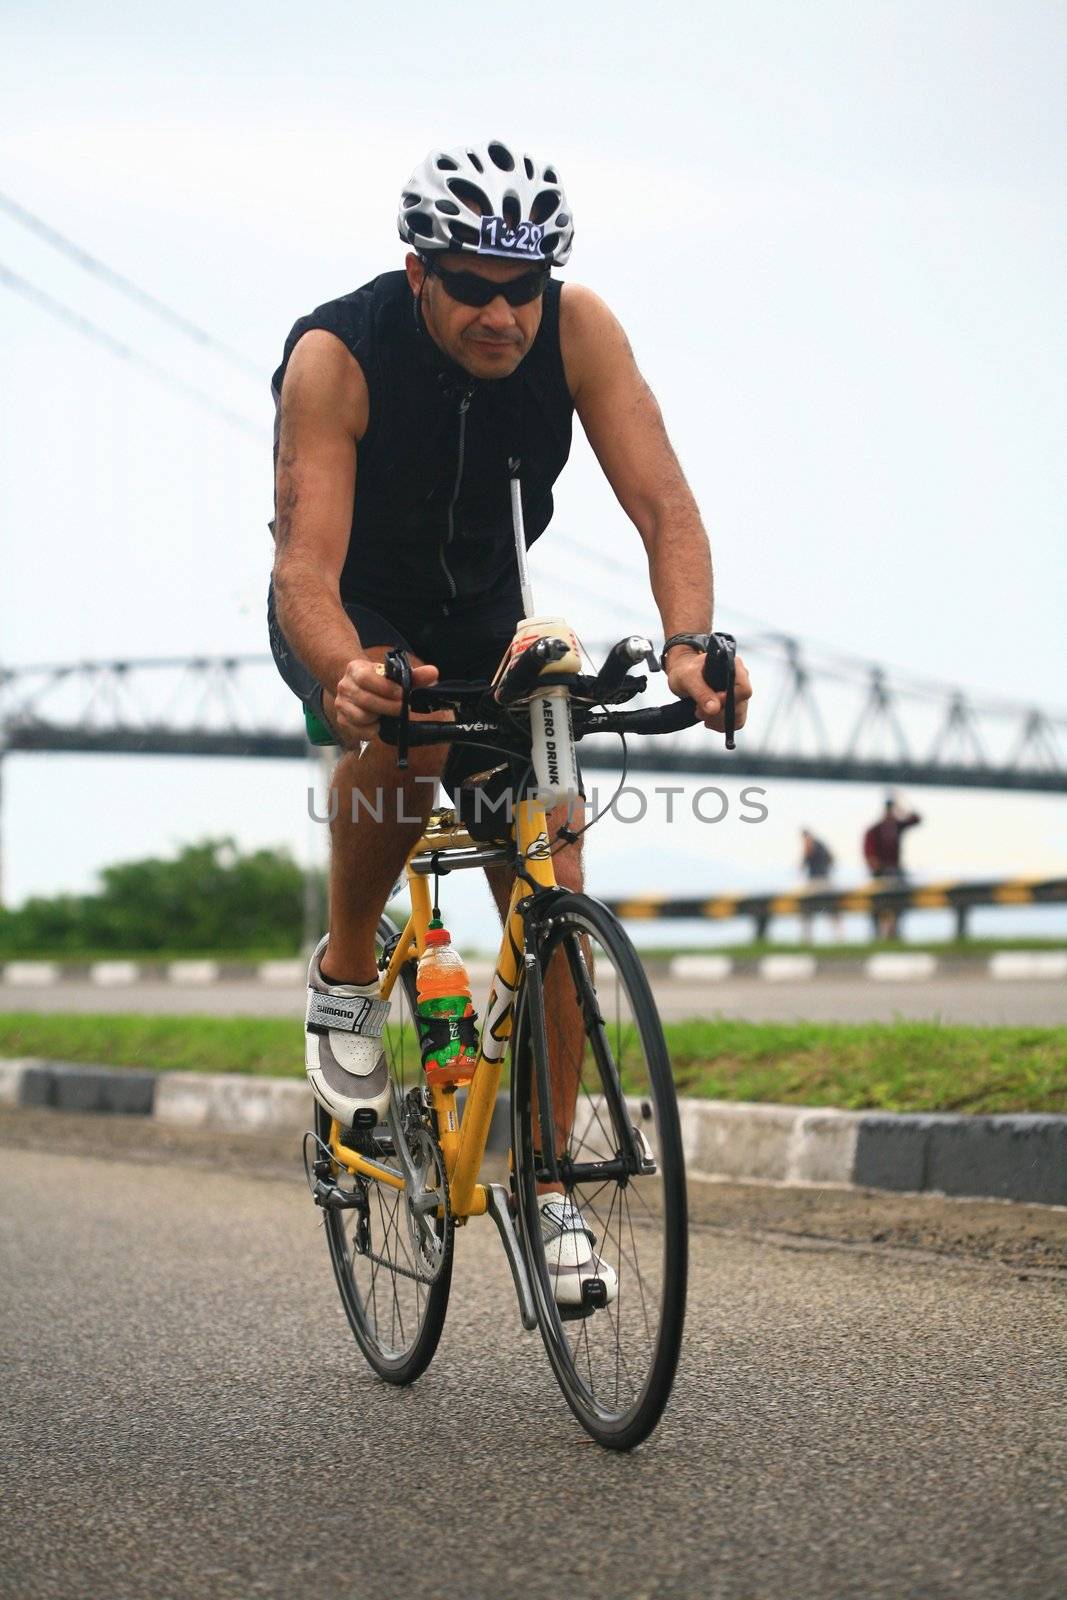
[(431, 519)]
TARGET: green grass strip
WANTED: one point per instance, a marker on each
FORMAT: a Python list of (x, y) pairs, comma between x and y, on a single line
[(908, 1066), (905, 1066), (265, 1046)]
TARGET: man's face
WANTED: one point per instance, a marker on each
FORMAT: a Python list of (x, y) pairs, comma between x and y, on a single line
[(487, 341)]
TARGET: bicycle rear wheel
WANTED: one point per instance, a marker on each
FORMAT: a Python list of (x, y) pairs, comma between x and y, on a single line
[(393, 1267), (615, 1362)]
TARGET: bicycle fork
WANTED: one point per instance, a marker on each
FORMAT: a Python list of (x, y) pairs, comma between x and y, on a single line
[(630, 1159)]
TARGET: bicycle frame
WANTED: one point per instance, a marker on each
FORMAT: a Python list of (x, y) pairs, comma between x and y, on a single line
[(463, 1139)]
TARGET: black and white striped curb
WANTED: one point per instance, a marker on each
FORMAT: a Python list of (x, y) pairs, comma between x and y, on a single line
[(1003, 1157), (888, 967)]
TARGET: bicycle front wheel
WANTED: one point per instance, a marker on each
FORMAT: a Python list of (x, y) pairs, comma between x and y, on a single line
[(393, 1266), (619, 1152)]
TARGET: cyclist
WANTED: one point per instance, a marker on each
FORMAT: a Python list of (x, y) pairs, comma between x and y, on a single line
[(399, 409)]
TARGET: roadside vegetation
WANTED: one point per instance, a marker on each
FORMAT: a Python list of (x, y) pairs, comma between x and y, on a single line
[(906, 1066), (208, 900)]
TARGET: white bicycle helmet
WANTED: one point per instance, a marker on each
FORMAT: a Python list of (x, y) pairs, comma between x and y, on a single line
[(488, 200)]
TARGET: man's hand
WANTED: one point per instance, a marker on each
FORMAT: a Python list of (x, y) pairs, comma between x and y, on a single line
[(364, 694), (685, 675)]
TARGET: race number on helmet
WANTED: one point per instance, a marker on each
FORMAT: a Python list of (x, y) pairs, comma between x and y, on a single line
[(488, 200)]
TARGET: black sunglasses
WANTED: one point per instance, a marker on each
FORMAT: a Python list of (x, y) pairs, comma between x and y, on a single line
[(470, 289)]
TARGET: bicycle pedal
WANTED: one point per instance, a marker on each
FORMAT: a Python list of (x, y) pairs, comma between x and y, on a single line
[(594, 1298), (331, 1197), (360, 1136), (594, 1294)]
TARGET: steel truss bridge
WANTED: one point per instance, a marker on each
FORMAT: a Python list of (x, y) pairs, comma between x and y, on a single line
[(821, 717)]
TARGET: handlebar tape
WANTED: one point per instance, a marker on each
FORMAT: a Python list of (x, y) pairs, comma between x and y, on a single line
[(621, 657), (671, 718)]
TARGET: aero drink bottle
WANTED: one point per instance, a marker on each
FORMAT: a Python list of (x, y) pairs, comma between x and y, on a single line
[(551, 735)]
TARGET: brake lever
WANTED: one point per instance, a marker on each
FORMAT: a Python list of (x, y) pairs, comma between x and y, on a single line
[(398, 670), (720, 671)]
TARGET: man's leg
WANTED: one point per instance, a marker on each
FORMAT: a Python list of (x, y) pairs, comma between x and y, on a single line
[(367, 855)]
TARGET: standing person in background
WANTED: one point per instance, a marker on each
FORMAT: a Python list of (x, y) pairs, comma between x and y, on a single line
[(881, 851), (817, 865)]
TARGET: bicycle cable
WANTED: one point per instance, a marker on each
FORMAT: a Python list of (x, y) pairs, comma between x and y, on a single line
[(572, 835)]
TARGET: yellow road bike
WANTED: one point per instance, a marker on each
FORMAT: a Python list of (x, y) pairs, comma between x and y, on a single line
[(393, 1194)]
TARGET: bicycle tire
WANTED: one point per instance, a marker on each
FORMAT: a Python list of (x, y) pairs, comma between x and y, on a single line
[(637, 1055), (399, 1348)]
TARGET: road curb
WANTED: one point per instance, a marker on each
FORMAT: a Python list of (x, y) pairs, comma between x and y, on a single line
[(889, 966), (1021, 1157)]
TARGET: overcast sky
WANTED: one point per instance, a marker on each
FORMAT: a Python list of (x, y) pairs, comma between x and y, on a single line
[(834, 232)]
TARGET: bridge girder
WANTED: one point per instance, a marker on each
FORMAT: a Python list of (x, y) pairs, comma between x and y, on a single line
[(265, 744), (828, 720)]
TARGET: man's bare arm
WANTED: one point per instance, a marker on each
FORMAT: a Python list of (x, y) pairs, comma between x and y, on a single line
[(324, 410), (624, 425)]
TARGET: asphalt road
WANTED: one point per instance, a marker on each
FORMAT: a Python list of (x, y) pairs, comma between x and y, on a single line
[(871, 1400), (962, 999)]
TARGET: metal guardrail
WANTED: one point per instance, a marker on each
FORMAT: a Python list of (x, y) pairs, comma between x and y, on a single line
[(878, 899)]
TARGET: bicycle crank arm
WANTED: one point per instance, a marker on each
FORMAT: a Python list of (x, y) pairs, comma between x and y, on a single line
[(496, 1203)]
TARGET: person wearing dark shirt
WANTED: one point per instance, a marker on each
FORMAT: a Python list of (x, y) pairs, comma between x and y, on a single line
[(881, 851), (881, 842), (817, 864)]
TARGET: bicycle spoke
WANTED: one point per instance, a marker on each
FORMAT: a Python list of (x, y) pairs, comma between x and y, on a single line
[(640, 1280)]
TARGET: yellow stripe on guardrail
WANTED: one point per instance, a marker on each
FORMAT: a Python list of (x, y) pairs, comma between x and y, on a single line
[(640, 910), (962, 897), (1018, 893), (719, 908), (931, 894)]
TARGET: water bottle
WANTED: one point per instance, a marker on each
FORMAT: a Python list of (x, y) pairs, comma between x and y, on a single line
[(445, 1013)]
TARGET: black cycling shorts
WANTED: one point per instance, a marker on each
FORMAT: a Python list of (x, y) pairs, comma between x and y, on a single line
[(466, 646)]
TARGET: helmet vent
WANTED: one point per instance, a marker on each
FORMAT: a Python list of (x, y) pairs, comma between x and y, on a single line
[(547, 202), (411, 199), (549, 243), (449, 207), (420, 223), (549, 175), (463, 233), (512, 210), (501, 157), (446, 164), (475, 161), (528, 164), (470, 194)]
